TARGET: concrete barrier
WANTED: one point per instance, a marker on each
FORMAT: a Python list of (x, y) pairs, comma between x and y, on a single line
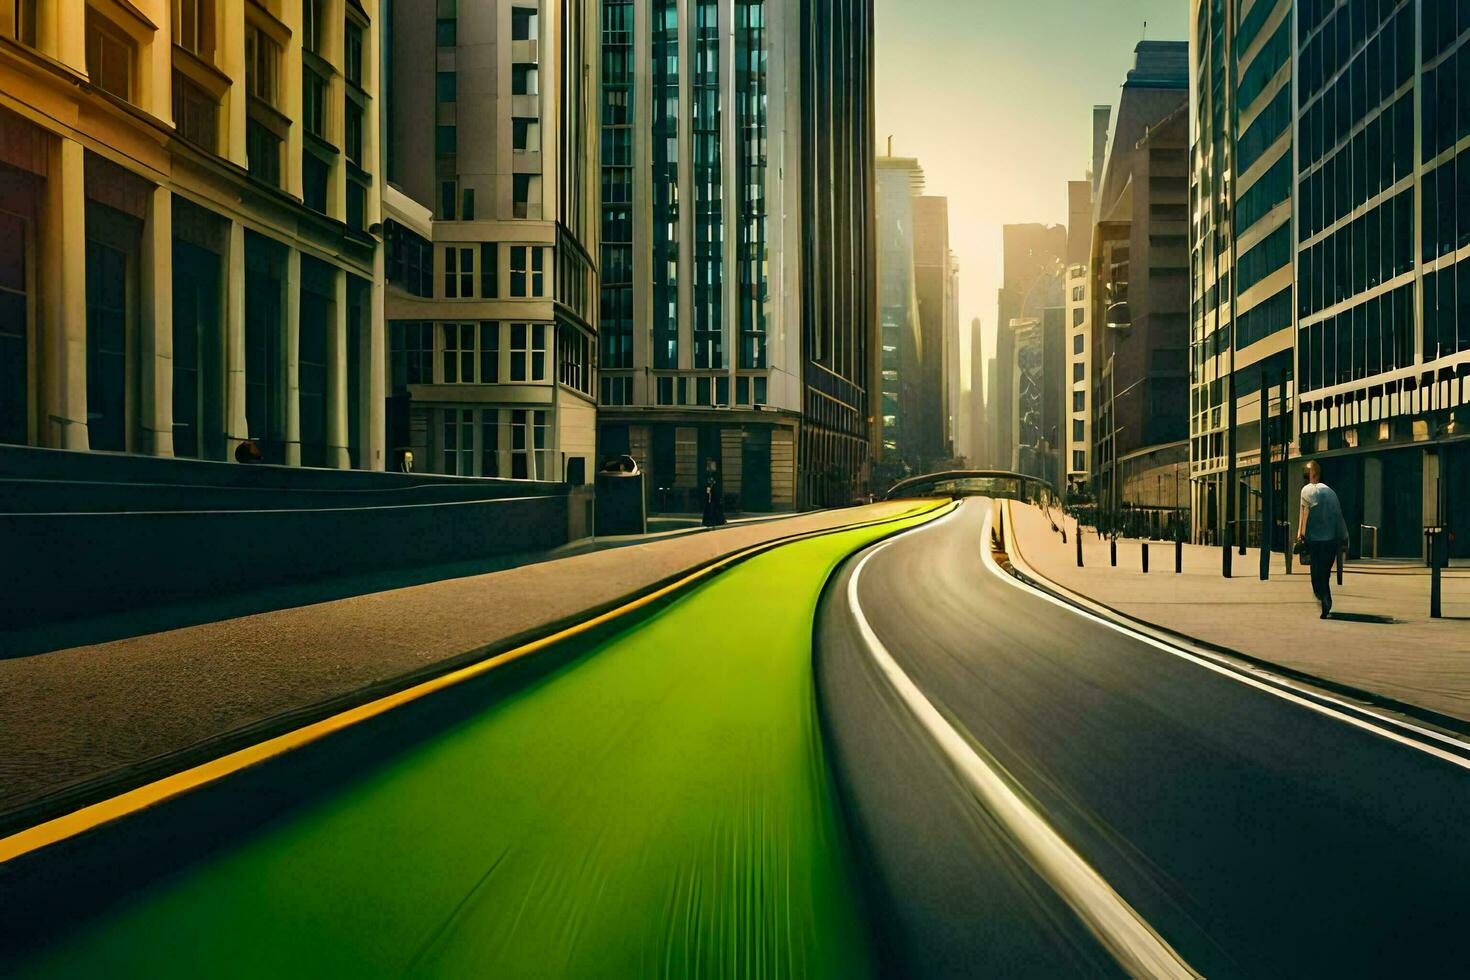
[(197, 530)]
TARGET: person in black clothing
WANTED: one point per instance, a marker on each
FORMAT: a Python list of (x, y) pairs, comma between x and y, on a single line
[(714, 495)]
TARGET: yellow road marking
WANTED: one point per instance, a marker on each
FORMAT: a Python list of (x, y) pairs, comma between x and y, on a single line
[(133, 801)]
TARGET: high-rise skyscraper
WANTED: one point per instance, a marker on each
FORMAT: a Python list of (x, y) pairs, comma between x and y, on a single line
[(737, 301), (491, 231), (900, 183)]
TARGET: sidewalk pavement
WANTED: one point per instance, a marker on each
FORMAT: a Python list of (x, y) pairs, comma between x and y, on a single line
[(1380, 640), (74, 718)]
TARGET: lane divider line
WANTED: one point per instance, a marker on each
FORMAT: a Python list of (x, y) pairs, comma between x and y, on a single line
[(1118, 927), (133, 801), (1322, 703)]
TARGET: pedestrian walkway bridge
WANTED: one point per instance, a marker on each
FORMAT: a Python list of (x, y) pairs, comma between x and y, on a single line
[(974, 483)]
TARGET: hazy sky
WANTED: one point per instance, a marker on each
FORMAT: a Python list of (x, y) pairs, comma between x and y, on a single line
[(995, 98)]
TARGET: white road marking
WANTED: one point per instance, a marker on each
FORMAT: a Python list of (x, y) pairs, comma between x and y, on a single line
[(1334, 708), (1118, 927)]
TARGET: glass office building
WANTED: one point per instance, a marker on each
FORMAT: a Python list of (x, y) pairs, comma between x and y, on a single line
[(1377, 230)]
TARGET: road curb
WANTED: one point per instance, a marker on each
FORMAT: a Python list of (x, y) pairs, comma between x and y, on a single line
[(133, 777), (1379, 703)]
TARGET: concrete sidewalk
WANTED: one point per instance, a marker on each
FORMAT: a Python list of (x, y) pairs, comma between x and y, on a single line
[(74, 718), (1380, 640)]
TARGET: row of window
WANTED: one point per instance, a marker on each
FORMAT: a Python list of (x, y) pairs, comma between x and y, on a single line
[(1264, 130), (1446, 207), (1263, 319), (1372, 337), (499, 442), (1347, 34), (482, 352), (1447, 311), (1444, 22), (1270, 189), (1378, 156), (1267, 63), (1264, 258), (473, 271), (709, 392), (1373, 249), (1379, 70), (1446, 103)]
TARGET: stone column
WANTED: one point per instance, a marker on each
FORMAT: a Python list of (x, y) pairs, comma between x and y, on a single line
[(64, 299), (236, 427), (291, 355), (336, 407), (374, 414), (290, 95), (156, 332)]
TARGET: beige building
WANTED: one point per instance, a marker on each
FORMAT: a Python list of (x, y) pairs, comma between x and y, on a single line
[(187, 191), (491, 229)]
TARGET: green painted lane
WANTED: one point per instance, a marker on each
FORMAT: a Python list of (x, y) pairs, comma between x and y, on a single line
[(659, 807)]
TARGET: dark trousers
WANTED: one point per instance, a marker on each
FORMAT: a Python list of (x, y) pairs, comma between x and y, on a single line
[(1323, 555)]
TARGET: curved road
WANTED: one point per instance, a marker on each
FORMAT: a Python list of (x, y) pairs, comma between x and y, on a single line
[(1254, 836)]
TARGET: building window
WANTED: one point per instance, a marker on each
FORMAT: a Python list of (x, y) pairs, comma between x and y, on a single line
[(459, 441), (526, 137), (521, 257), (411, 357), (528, 352), (1079, 460), (193, 23), (459, 272), (196, 113), (311, 26), (1078, 315), (410, 260), (262, 152), (1077, 371), (262, 65), (523, 24), (528, 444), (314, 103), (1079, 430), (446, 140), (110, 56), (489, 271), (18, 20), (467, 204), (524, 79), (527, 199), (352, 48), (1079, 401), (1077, 341), (446, 32), (352, 132)]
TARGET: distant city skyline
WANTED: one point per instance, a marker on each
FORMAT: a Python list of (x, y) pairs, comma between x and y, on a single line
[(995, 101)]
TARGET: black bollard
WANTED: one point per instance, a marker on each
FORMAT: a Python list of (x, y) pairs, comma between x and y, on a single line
[(1341, 559), (1435, 561), (1079, 545), (1113, 551), (1178, 554), (1145, 558)]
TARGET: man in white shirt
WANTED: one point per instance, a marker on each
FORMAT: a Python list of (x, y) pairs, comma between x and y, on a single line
[(1323, 528)]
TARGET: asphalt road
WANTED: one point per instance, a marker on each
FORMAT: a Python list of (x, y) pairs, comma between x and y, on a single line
[(1256, 837)]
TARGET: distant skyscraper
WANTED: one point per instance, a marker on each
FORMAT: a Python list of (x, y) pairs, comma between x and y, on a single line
[(1030, 253), (738, 260), (934, 280), (977, 451), (900, 181), (1077, 435)]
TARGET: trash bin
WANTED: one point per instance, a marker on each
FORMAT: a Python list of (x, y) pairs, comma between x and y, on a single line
[(621, 506)]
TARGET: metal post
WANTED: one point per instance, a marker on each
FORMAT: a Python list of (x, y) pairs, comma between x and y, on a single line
[(1145, 558), (1232, 139), (1079, 542), (1113, 550), (1268, 479), (1436, 535), (1178, 551)]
